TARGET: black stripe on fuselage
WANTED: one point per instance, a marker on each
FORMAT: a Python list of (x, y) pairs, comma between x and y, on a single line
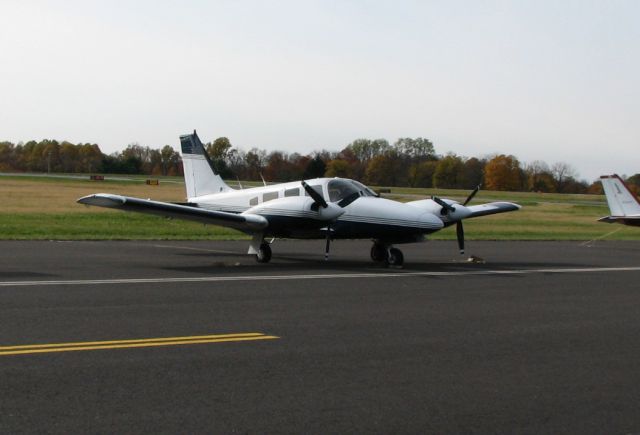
[(300, 227)]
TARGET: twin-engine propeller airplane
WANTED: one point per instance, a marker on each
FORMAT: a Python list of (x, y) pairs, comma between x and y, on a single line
[(623, 205), (324, 208)]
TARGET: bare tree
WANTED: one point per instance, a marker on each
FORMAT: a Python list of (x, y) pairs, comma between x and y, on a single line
[(562, 173)]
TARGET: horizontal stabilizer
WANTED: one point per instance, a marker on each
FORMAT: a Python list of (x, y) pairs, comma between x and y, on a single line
[(633, 221), (248, 223)]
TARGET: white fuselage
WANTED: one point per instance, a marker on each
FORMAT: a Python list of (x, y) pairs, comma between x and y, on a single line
[(289, 211)]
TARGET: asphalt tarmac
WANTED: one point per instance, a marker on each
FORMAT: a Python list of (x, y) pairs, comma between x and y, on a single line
[(195, 337)]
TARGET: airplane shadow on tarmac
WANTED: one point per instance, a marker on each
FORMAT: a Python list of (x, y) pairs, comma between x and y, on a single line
[(7, 275), (283, 264)]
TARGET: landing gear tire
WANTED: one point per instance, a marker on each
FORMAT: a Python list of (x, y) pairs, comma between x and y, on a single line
[(395, 257), (378, 252), (264, 253)]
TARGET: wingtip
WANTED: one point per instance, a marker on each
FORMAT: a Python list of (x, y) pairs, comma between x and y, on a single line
[(85, 199), (102, 200), (510, 206)]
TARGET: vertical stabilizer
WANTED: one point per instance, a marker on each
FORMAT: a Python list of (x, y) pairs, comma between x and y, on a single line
[(199, 175), (621, 201)]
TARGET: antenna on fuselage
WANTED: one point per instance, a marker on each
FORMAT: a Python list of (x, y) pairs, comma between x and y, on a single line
[(263, 182)]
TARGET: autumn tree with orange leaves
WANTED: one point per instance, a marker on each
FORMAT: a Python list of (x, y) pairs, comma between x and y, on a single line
[(503, 173)]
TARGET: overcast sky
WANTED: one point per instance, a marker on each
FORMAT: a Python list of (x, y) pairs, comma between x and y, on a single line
[(543, 80)]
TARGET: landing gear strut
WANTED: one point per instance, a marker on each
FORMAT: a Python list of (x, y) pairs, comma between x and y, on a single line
[(392, 256), (395, 257), (378, 252), (264, 253)]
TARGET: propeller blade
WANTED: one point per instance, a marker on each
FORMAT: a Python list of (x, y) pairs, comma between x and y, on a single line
[(326, 249), (443, 204), (319, 200), (472, 194), (460, 233)]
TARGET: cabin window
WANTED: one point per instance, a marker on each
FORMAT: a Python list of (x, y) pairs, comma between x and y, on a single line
[(269, 196), (292, 192), (253, 201)]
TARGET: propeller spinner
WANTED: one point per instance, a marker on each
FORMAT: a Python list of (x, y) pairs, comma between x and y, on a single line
[(449, 208)]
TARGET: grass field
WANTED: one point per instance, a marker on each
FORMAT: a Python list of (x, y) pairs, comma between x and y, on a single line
[(44, 208)]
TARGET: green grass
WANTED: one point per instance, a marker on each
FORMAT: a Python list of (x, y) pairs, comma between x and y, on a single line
[(41, 208), (106, 226), (112, 179), (522, 198)]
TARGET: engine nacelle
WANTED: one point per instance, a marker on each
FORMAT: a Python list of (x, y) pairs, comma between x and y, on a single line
[(297, 206)]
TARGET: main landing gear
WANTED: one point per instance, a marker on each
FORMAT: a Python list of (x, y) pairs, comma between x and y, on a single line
[(264, 253), (391, 256)]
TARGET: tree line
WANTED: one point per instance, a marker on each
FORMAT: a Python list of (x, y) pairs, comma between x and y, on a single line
[(409, 162), (65, 157)]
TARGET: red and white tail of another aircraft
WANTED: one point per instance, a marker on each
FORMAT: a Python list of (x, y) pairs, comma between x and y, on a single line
[(623, 204)]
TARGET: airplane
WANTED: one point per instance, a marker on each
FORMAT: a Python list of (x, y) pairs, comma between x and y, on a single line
[(322, 208), (623, 205)]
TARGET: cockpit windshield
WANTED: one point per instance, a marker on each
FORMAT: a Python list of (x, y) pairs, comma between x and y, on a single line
[(340, 189), (364, 190)]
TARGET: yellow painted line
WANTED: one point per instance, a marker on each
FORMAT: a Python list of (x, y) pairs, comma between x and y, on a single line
[(140, 340), (124, 344)]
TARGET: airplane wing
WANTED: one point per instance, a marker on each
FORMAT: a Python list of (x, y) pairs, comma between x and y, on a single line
[(492, 208), (248, 223)]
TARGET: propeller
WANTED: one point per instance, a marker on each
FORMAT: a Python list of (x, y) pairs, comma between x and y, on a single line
[(459, 227), (472, 194), (446, 208), (460, 234), (319, 201)]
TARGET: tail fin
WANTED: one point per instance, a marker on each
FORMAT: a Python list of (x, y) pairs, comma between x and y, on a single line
[(621, 201), (199, 175)]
